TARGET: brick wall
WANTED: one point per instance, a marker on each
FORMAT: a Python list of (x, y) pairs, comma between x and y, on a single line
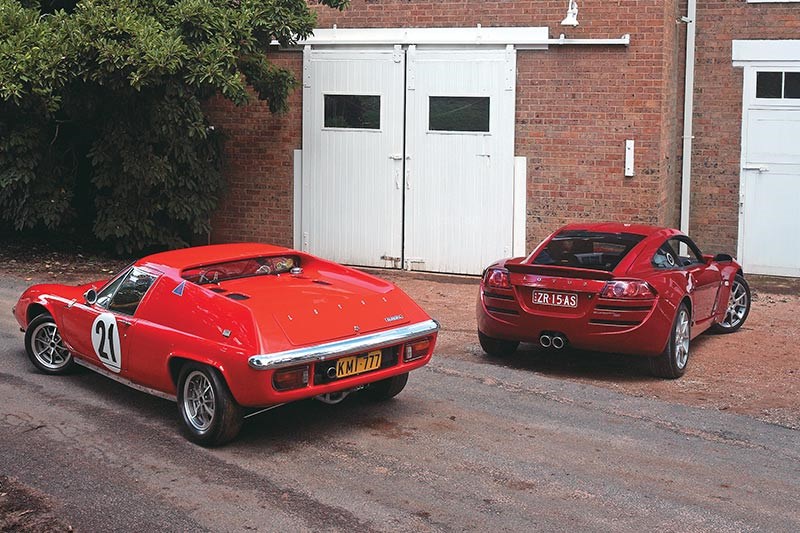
[(718, 111), (258, 166), (576, 105)]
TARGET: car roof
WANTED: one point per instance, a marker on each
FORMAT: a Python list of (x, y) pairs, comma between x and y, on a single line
[(206, 255), (619, 227)]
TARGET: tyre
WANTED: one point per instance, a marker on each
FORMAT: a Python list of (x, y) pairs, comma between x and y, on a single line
[(45, 348), (497, 347), (210, 414), (386, 389), (672, 363), (738, 307)]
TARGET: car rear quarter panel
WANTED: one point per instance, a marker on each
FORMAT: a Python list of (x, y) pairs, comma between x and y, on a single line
[(194, 325)]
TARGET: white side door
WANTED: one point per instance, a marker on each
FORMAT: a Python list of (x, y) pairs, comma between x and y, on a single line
[(459, 158), (352, 196), (770, 180)]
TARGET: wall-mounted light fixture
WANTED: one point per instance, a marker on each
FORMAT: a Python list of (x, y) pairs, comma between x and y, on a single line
[(572, 14)]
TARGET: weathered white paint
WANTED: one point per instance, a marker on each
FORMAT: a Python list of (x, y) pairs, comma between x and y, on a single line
[(520, 205), (521, 38), (629, 147), (745, 51), (459, 185), (492, 36), (297, 213), (352, 198), (770, 172)]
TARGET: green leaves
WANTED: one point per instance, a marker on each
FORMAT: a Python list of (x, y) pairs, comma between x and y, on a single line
[(101, 117)]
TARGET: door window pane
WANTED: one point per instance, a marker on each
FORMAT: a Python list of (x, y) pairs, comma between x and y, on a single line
[(791, 88), (354, 111), (459, 113), (768, 84), (131, 292)]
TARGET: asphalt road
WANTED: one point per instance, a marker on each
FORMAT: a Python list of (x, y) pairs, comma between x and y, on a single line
[(466, 447)]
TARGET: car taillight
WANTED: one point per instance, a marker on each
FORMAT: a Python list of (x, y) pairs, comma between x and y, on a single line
[(628, 289), (290, 378), (497, 278), (417, 349)]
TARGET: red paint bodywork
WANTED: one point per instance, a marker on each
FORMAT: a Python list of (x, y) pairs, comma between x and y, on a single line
[(604, 324), (284, 312)]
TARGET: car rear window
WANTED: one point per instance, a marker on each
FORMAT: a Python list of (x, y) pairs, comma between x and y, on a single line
[(587, 249), (241, 268)]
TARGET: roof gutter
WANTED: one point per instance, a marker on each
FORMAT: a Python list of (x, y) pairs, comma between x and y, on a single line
[(688, 114)]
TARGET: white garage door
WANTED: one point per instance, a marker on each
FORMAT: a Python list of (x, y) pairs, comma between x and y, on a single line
[(352, 191), (460, 159), (408, 157), (770, 180)]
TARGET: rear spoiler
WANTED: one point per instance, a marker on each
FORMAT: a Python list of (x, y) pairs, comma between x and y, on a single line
[(559, 271)]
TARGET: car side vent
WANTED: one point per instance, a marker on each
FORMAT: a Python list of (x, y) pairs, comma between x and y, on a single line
[(217, 289), (237, 296), (321, 282)]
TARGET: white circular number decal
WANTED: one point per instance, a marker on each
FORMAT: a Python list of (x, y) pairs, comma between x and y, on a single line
[(105, 339)]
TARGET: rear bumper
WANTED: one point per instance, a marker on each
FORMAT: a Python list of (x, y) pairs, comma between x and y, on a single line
[(251, 382), (649, 337), (352, 346)]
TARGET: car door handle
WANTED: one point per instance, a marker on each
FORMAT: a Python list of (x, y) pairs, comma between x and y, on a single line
[(123, 322)]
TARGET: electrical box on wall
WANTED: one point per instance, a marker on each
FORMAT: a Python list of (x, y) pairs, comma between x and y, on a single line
[(629, 158)]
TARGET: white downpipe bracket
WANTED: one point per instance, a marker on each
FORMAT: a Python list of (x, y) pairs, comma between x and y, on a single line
[(688, 115)]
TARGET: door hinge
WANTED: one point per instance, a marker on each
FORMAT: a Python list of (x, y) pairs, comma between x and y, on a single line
[(397, 55)]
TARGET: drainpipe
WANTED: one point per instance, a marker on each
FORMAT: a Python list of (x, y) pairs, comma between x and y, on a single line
[(688, 112)]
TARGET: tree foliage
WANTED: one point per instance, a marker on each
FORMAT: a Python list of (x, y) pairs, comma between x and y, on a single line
[(101, 108)]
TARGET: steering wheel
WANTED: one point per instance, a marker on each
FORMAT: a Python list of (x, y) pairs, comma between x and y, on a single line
[(209, 276)]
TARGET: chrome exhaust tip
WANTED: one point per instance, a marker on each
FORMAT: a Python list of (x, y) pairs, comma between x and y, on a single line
[(546, 341), (558, 342)]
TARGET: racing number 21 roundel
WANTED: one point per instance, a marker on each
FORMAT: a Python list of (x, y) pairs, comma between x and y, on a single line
[(105, 340)]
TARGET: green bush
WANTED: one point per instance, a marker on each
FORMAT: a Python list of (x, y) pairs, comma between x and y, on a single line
[(101, 109)]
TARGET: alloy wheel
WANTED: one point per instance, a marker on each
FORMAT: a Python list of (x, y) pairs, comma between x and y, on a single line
[(198, 400), (48, 348)]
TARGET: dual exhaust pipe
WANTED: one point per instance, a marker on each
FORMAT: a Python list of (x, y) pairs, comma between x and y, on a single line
[(554, 340)]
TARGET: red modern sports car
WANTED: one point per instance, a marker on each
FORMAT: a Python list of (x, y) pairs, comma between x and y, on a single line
[(613, 288), (229, 330)]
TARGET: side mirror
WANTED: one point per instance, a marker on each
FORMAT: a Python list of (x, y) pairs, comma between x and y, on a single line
[(90, 296), (723, 258)]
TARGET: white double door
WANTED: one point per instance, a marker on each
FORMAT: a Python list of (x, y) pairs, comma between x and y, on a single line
[(408, 157)]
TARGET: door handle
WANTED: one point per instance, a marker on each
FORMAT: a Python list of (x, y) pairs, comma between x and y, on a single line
[(760, 169), (396, 157), (123, 322)]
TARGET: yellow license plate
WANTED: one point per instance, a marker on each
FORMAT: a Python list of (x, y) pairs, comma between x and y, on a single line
[(350, 366)]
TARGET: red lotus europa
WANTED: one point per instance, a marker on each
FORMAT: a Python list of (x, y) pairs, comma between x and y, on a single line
[(229, 330), (612, 287)]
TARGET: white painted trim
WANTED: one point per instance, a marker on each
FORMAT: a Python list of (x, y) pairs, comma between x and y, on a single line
[(298, 199), (520, 206), (746, 51), (535, 35), (522, 38)]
